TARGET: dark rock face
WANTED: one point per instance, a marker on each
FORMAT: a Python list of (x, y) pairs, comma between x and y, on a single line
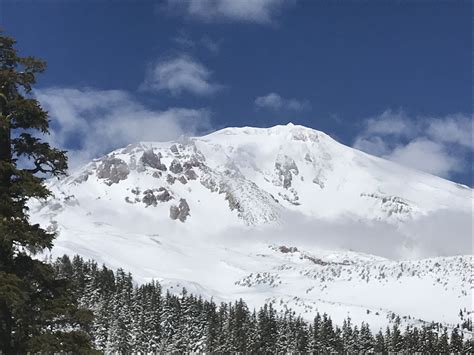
[(170, 179), (149, 158), (182, 180), (149, 198), (152, 197), (285, 168), (176, 167), (174, 212), (195, 161), (113, 170), (181, 211), (174, 149), (163, 195), (190, 174)]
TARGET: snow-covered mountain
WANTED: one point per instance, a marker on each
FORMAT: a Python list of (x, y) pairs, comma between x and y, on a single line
[(284, 214)]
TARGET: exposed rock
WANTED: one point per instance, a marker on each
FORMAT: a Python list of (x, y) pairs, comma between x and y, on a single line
[(181, 211), (284, 249), (209, 182), (176, 167), (174, 212), (83, 177), (195, 161), (149, 158), (307, 157), (163, 195), (285, 167), (170, 179), (149, 198), (113, 170), (233, 202), (190, 174), (174, 149), (182, 180), (152, 197), (156, 174)]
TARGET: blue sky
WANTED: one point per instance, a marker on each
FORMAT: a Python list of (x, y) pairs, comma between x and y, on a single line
[(393, 78)]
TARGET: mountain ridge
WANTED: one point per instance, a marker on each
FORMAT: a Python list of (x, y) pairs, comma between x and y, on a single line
[(225, 204)]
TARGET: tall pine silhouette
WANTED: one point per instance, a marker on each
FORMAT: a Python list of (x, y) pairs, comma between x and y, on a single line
[(36, 310)]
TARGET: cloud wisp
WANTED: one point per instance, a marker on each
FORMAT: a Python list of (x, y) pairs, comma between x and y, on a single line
[(435, 145), (249, 11), (179, 75), (274, 101), (91, 122)]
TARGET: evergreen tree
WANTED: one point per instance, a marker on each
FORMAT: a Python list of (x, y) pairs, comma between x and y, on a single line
[(139, 320), (456, 343), (379, 346), (443, 345), (37, 313)]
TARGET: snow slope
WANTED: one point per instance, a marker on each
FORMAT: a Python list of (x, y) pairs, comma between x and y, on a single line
[(283, 214)]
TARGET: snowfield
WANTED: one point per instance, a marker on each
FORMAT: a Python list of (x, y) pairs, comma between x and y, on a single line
[(283, 214)]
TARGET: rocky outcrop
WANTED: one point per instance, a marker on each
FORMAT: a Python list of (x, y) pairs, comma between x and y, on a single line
[(170, 179), (181, 211), (190, 174), (112, 170), (151, 197), (285, 167), (149, 158), (174, 149), (176, 167)]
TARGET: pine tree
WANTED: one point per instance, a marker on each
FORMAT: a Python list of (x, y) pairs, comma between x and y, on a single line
[(36, 311), (396, 338), (456, 343), (366, 339), (443, 345), (379, 346)]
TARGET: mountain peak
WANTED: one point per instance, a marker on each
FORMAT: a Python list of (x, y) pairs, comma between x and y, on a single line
[(257, 205)]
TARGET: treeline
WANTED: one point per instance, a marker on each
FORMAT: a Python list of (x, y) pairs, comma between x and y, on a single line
[(143, 319)]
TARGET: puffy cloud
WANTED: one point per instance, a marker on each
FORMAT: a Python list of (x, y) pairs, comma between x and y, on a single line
[(178, 75), (426, 155), (389, 122), (251, 11), (452, 129), (436, 145), (91, 122), (275, 102), (373, 145)]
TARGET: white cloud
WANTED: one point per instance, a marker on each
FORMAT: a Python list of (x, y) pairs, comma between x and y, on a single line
[(389, 122), (452, 129), (252, 11), (373, 145), (275, 102), (425, 155), (90, 122), (178, 75), (188, 43), (434, 145)]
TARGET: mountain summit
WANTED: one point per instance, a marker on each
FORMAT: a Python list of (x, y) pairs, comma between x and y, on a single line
[(270, 213)]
